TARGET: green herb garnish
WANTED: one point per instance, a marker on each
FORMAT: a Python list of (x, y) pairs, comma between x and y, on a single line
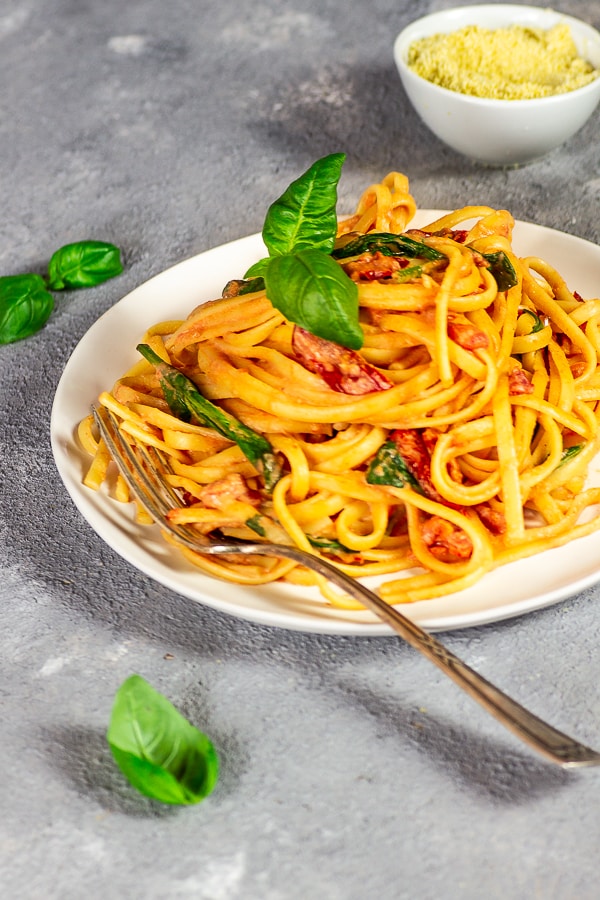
[(388, 245), (330, 545), (184, 400), (502, 269), (25, 306), (83, 264), (302, 280), (25, 300), (538, 324), (254, 523), (389, 467), (160, 753)]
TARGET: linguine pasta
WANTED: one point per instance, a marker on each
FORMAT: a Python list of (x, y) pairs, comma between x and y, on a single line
[(456, 440)]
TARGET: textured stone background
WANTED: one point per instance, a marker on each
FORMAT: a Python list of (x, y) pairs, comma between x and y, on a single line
[(350, 767)]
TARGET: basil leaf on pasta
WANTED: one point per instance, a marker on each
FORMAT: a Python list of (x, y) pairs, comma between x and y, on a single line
[(160, 753), (312, 290), (305, 214), (388, 467), (330, 545), (184, 399), (502, 269), (301, 279), (25, 306), (387, 245)]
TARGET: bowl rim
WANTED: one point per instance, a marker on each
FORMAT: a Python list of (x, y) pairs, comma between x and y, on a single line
[(403, 40)]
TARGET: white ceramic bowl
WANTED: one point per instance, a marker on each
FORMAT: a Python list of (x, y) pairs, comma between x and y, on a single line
[(499, 132)]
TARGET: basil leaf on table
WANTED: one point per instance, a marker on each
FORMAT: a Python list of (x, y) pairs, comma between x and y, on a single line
[(25, 306), (313, 291), (83, 264), (160, 753)]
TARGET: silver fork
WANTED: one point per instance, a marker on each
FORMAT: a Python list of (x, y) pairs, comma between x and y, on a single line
[(143, 468)]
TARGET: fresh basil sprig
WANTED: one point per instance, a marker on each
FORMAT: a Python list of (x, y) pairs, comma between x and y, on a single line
[(302, 280), (25, 300), (160, 753)]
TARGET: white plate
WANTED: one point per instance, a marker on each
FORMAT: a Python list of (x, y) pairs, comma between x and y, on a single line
[(108, 350)]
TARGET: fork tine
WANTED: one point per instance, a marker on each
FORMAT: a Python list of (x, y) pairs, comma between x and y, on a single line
[(155, 495), (127, 462), (145, 481)]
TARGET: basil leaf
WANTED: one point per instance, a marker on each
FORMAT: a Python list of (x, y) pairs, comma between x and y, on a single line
[(255, 524), (25, 306), (301, 279), (538, 324), (502, 269), (388, 467), (184, 399), (313, 291), (388, 245), (305, 214), (257, 270), (157, 749), (83, 264), (412, 272), (329, 545)]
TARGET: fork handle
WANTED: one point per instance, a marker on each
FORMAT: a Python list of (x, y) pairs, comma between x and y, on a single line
[(547, 740)]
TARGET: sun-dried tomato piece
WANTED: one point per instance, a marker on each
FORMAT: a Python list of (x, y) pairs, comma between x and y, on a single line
[(344, 370)]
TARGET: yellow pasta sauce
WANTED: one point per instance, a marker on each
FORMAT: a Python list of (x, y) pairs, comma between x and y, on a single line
[(514, 63)]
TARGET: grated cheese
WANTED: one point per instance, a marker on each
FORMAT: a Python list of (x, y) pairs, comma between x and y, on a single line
[(514, 63)]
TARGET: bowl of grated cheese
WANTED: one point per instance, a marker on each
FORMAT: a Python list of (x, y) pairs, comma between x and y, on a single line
[(502, 84)]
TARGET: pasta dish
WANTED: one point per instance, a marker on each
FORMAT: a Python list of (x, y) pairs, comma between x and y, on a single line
[(453, 436)]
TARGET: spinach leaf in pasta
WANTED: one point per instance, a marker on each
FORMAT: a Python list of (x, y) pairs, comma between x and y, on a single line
[(184, 400)]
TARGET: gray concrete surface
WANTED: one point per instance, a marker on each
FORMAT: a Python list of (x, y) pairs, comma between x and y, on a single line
[(350, 767)]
